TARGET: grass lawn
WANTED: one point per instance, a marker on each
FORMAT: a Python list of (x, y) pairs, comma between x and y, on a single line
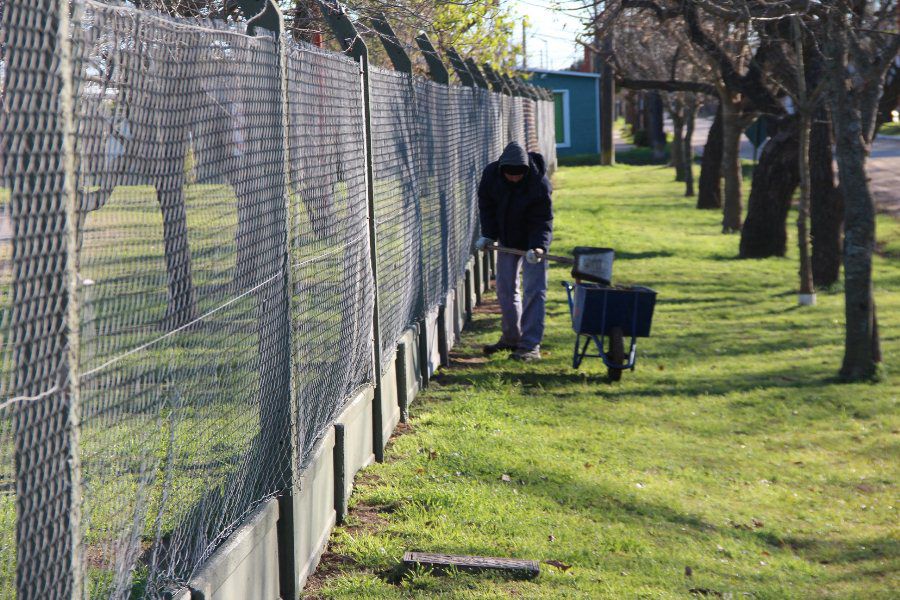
[(730, 463), (890, 129)]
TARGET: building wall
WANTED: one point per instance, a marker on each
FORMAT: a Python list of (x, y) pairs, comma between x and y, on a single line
[(584, 132)]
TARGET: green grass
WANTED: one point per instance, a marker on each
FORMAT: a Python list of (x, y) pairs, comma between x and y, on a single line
[(731, 449), (890, 129)]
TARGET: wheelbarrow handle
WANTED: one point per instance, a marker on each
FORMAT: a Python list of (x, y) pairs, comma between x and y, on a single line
[(564, 260)]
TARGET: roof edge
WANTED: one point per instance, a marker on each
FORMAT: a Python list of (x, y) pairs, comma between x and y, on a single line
[(564, 73)]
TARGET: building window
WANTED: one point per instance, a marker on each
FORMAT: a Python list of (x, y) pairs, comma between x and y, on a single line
[(561, 110)]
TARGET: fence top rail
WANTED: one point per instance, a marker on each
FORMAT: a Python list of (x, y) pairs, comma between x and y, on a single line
[(307, 48), (198, 24)]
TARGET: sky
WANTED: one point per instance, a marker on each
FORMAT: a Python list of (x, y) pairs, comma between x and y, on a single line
[(550, 37)]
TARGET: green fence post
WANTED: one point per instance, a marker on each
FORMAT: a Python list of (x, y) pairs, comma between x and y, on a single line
[(43, 330), (480, 81), (353, 44), (281, 406), (402, 63)]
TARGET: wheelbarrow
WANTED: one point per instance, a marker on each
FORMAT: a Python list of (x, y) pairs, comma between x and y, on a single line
[(600, 312), (588, 263)]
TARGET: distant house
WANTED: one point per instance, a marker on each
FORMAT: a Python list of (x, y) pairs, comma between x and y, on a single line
[(577, 98)]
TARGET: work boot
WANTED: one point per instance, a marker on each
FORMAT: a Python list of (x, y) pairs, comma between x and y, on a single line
[(498, 347), (526, 355)]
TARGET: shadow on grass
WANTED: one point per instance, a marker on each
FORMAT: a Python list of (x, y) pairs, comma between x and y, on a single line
[(611, 504)]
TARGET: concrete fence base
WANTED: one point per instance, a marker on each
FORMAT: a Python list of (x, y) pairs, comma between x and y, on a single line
[(471, 300), (390, 405), (247, 564), (408, 371), (353, 447), (314, 509), (459, 304), (434, 347)]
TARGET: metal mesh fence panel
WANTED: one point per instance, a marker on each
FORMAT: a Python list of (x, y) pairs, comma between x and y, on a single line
[(400, 204), (546, 127), (184, 347), (495, 117), (332, 299), (515, 121), (431, 171), (529, 119), (448, 137), (181, 295), (465, 140)]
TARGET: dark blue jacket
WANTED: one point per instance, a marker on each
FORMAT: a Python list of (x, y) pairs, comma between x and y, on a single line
[(517, 215)]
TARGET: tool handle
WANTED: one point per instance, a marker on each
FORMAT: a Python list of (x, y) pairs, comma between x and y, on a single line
[(565, 260)]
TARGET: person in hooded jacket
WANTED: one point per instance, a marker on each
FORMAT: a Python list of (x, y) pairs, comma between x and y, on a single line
[(516, 210)]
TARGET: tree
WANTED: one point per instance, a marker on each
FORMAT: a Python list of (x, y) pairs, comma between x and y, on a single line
[(859, 44), (483, 30), (682, 107), (662, 64), (826, 205), (737, 59), (764, 233)]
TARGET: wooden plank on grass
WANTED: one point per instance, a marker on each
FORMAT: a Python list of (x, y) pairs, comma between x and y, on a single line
[(514, 567)]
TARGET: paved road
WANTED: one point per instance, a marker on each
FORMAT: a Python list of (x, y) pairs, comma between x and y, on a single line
[(883, 165), (884, 172)]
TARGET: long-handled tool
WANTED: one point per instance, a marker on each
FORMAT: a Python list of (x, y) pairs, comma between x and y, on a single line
[(588, 264)]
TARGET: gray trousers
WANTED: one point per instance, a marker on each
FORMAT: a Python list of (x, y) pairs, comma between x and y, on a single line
[(522, 314)]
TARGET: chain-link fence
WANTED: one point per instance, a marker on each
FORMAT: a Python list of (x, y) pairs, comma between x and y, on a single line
[(187, 293)]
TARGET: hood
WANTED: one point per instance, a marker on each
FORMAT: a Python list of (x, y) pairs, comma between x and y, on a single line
[(537, 164), (514, 156)]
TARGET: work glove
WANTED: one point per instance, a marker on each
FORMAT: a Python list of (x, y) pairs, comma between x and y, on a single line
[(483, 243), (534, 256)]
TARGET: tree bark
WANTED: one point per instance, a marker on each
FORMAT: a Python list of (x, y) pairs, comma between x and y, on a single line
[(774, 180), (710, 196), (655, 131), (632, 114), (807, 291), (826, 206), (678, 145), (687, 154), (862, 351), (803, 241), (733, 205)]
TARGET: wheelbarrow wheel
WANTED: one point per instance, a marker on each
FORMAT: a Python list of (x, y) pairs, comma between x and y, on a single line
[(616, 353)]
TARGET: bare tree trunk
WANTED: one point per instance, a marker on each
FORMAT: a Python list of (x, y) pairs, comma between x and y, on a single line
[(774, 180), (733, 205), (807, 295), (807, 291), (631, 111), (826, 206), (687, 154), (711, 167), (678, 145), (862, 351), (655, 130)]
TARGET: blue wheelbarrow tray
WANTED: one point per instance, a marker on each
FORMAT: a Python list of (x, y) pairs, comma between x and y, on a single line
[(598, 310)]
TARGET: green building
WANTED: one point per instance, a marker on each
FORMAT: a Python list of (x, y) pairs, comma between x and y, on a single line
[(577, 99)]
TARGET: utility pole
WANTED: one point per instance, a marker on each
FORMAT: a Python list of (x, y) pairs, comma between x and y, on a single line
[(607, 98), (524, 46)]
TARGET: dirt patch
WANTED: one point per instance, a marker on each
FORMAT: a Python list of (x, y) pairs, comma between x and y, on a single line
[(488, 306), (330, 564), (466, 361), (363, 518)]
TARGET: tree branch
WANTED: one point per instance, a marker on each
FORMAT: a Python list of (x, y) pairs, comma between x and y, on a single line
[(661, 13), (670, 85)]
